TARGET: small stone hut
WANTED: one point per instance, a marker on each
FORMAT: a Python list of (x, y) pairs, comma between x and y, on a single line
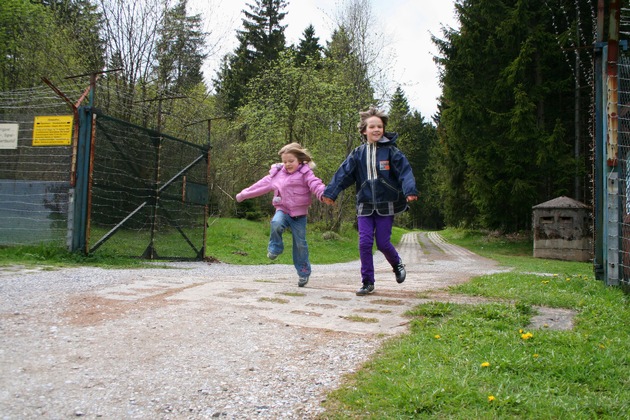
[(562, 230)]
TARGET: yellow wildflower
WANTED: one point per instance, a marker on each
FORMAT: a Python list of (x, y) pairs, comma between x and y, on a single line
[(535, 355), (437, 336), (485, 364), (527, 336), (490, 398)]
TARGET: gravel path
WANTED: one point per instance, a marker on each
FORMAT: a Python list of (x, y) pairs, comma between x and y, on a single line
[(201, 341)]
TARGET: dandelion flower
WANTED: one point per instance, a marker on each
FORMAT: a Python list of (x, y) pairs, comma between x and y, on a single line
[(485, 364), (437, 336), (536, 355), (520, 331), (527, 336), (491, 398)]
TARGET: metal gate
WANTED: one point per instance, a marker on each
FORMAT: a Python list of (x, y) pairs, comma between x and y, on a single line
[(148, 192)]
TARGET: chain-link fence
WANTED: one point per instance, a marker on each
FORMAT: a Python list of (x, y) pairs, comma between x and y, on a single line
[(149, 192), (623, 130), (35, 175), (146, 194)]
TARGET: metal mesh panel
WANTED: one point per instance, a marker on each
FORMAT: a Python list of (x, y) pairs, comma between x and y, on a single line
[(624, 157), (34, 180), (149, 193)]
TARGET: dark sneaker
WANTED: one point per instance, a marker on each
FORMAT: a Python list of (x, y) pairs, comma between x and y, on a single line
[(366, 289), (271, 256), (302, 281), (401, 273)]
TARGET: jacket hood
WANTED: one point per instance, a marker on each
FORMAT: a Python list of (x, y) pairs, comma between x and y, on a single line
[(388, 138)]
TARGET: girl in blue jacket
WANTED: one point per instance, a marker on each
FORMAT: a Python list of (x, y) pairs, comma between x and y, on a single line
[(384, 185)]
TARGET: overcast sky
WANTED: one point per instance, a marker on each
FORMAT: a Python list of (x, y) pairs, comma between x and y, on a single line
[(408, 24)]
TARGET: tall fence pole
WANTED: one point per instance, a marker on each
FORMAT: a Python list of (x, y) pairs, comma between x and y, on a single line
[(80, 169), (599, 151), (612, 145)]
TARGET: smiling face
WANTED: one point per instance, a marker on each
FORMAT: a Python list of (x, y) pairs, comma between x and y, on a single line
[(290, 162), (374, 129)]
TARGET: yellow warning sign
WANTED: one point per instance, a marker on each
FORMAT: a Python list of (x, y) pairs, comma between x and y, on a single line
[(55, 130)]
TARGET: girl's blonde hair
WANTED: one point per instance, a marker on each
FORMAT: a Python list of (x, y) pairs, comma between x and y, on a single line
[(299, 152)]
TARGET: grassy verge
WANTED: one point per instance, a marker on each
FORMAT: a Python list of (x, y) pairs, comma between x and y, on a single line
[(515, 252), (56, 256), (484, 361), (232, 241), (238, 241)]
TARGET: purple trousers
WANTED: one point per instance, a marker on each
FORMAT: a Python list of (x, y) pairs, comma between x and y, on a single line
[(379, 228)]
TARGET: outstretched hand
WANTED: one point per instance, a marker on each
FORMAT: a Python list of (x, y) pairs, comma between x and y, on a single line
[(411, 198)]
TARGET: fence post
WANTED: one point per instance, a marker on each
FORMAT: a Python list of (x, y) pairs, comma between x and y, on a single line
[(599, 163), (80, 202), (612, 240)]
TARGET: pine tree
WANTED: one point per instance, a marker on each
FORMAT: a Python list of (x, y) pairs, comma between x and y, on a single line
[(82, 20), (416, 139), (180, 50), (260, 42), (343, 55), (346, 71), (399, 108), (308, 48), (263, 31)]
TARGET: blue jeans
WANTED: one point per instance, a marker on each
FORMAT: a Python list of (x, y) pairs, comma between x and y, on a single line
[(279, 223)]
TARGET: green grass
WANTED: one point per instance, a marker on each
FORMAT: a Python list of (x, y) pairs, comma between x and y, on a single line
[(232, 241), (244, 242), (50, 255), (484, 361)]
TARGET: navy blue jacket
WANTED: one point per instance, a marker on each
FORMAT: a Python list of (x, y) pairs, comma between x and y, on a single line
[(381, 174)]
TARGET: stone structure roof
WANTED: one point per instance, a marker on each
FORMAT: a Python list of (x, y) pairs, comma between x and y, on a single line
[(562, 202)]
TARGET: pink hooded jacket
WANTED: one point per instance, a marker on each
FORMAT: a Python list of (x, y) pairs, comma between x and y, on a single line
[(292, 192)]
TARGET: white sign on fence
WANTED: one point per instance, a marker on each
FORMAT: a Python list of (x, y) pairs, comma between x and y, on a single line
[(9, 136)]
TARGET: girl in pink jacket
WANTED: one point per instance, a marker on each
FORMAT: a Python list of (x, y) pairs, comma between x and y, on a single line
[(292, 182)]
